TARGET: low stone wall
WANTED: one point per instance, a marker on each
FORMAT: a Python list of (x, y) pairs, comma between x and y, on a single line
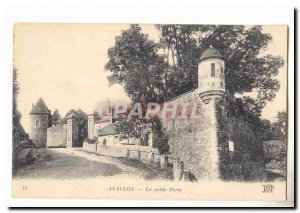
[(110, 150), (89, 147), (57, 136), (144, 154), (122, 150)]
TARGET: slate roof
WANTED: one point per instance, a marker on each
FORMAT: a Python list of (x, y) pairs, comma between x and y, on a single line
[(211, 52), (110, 129), (40, 107)]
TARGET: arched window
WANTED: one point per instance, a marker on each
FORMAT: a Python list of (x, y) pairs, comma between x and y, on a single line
[(213, 70)]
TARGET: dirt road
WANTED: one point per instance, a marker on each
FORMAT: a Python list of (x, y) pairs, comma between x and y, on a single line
[(74, 163)]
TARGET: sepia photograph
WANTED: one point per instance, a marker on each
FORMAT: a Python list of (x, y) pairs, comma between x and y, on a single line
[(150, 111)]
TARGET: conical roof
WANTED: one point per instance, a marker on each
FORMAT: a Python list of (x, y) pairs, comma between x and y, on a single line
[(40, 107), (210, 53)]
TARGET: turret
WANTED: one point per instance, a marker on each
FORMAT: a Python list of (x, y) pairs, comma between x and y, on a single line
[(39, 116), (211, 74)]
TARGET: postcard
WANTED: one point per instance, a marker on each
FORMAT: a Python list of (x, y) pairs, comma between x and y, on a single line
[(150, 111)]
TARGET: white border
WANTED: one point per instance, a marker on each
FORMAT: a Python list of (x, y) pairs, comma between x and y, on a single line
[(132, 11)]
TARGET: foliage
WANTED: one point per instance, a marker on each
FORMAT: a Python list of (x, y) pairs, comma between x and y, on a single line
[(90, 141), (153, 71), (247, 70), (126, 128), (56, 118), (50, 118), (276, 130), (163, 143), (281, 123), (138, 128), (135, 63), (16, 90), (25, 144), (20, 137), (81, 119)]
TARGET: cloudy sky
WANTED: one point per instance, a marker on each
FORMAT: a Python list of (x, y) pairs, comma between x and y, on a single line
[(64, 64)]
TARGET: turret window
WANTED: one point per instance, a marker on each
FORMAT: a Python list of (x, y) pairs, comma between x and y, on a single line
[(37, 123), (221, 69), (213, 70)]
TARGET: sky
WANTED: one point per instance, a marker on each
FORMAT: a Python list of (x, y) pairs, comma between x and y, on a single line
[(64, 64)]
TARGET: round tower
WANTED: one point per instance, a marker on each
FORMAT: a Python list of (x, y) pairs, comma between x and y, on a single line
[(39, 116), (211, 73)]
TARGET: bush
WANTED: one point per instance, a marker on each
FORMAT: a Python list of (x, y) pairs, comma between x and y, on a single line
[(18, 151), (163, 143)]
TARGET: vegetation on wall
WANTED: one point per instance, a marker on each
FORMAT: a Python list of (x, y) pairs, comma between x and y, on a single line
[(238, 125)]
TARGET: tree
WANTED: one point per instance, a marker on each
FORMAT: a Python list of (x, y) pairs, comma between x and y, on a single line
[(50, 118), (16, 89), (247, 70), (271, 131), (156, 72), (56, 118), (81, 119), (276, 130), (281, 123), (135, 63), (19, 133), (139, 128), (126, 128)]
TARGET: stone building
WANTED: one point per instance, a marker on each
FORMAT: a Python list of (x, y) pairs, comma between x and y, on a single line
[(56, 136)]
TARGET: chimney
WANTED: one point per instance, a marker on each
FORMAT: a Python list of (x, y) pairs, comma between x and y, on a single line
[(32, 105)]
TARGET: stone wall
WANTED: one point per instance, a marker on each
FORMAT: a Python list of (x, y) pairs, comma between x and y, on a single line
[(63, 135), (242, 128), (121, 150), (203, 143), (57, 136), (194, 140), (89, 147)]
